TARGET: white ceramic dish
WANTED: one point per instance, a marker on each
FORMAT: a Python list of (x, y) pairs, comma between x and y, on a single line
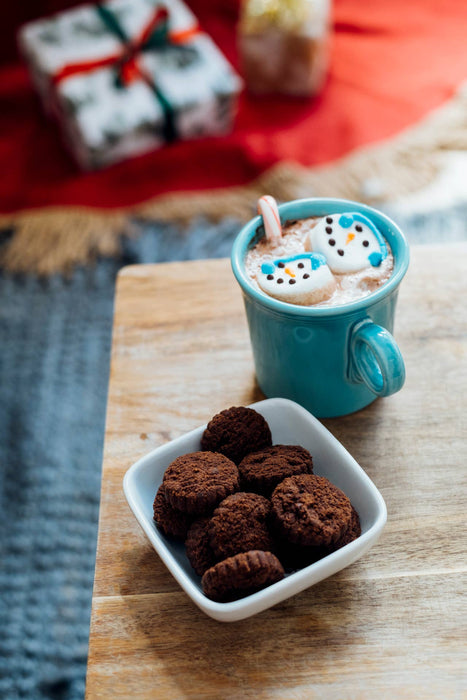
[(290, 424)]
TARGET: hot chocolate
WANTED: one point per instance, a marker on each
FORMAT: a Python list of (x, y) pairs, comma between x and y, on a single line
[(327, 261)]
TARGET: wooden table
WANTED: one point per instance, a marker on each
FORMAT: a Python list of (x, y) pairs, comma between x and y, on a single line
[(390, 626)]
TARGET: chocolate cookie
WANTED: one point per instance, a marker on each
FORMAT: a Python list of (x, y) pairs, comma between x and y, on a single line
[(261, 471), (353, 531), (241, 575), (195, 483), (239, 524), (236, 432), (198, 547), (170, 520), (309, 510)]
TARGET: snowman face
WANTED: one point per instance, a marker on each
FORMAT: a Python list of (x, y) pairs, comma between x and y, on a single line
[(349, 242), (303, 279)]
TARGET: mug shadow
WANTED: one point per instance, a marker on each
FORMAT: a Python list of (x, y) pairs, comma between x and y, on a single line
[(360, 431)]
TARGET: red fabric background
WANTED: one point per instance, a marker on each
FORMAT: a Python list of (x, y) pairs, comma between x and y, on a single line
[(392, 62)]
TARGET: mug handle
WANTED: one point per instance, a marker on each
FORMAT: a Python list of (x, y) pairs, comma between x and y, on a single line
[(375, 358)]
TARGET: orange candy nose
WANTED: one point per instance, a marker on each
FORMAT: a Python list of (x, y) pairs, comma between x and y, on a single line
[(289, 272), (350, 237)]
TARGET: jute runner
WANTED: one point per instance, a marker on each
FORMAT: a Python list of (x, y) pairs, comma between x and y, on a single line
[(55, 239)]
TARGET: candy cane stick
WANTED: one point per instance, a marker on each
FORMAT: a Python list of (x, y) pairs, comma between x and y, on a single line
[(267, 208)]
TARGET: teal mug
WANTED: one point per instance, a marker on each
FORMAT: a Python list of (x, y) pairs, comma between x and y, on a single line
[(332, 360)]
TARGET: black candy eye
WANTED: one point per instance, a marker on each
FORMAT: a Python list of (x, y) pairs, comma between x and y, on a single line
[(358, 228), (281, 264), (300, 265)]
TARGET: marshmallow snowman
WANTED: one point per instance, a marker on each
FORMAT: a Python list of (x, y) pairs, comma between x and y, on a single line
[(302, 279), (350, 242)]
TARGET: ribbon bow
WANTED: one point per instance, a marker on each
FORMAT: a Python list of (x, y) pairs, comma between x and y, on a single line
[(155, 35)]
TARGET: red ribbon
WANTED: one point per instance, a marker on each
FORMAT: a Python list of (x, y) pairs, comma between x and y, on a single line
[(127, 58)]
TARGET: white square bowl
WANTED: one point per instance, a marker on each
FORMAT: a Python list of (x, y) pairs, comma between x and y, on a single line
[(290, 424)]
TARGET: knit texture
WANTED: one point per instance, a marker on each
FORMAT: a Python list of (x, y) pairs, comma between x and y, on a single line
[(54, 367)]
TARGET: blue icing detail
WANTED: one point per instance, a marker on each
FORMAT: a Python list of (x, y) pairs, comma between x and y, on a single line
[(317, 259), (356, 216), (267, 268), (346, 221), (375, 259)]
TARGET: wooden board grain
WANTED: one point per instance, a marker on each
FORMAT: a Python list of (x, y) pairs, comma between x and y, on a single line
[(391, 625)]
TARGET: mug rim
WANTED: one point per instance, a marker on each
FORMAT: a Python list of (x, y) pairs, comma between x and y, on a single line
[(243, 239)]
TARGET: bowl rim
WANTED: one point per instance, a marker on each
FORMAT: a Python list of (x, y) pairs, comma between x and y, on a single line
[(288, 210), (279, 591)]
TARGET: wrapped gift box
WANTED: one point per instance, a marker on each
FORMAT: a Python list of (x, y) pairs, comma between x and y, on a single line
[(127, 76)]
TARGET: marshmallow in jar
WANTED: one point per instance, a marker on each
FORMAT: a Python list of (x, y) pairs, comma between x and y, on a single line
[(284, 45)]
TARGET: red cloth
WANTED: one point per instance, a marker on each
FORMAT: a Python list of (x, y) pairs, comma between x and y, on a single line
[(392, 62)]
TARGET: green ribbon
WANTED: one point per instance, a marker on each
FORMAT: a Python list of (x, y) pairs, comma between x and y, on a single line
[(157, 40)]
